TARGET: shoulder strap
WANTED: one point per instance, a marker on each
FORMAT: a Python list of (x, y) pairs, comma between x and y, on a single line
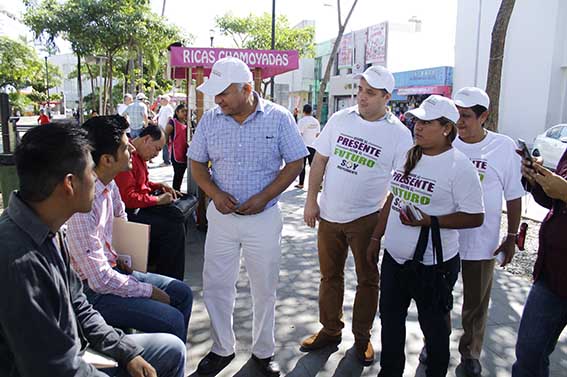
[(421, 244), (436, 240)]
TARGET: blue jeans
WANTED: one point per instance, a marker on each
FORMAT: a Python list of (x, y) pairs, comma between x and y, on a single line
[(134, 133), (164, 352), (145, 314), (543, 320), (165, 154)]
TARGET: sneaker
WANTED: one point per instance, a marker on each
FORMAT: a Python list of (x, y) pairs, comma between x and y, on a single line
[(472, 367), (268, 366), (364, 352), (319, 340), (212, 364), (299, 186)]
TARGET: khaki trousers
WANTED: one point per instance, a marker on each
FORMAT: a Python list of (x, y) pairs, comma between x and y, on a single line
[(333, 240), (477, 285)]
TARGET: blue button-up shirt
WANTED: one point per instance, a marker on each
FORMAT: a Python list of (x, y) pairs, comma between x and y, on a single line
[(247, 157)]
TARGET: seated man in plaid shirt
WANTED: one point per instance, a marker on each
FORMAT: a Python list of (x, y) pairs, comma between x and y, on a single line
[(125, 298)]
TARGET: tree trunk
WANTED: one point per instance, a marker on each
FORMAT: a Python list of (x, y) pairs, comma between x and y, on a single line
[(131, 80), (80, 89), (93, 100), (104, 89), (140, 70), (109, 109), (496, 58), (331, 62)]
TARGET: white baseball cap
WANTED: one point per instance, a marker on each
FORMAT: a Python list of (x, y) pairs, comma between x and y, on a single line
[(141, 96), (225, 71), (471, 96), (435, 107), (378, 77)]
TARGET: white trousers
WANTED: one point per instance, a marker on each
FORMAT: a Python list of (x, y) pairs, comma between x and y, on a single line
[(259, 237)]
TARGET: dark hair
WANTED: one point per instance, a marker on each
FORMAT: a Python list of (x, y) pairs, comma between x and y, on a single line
[(478, 110), (46, 155), (414, 154), (307, 109), (105, 133), (179, 107), (155, 132)]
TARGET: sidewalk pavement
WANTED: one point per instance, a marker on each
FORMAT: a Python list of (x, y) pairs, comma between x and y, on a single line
[(297, 312)]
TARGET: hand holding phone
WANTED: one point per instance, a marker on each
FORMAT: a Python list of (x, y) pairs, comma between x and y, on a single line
[(414, 212), (526, 155), (404, 215)]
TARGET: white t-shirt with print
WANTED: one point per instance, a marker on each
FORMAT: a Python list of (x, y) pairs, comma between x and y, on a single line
[(165, 113), (362, 156), (438, 185), (309, 128), (498, 167)]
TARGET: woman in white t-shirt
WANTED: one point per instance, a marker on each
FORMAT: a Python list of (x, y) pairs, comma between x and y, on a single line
[(444, 189)]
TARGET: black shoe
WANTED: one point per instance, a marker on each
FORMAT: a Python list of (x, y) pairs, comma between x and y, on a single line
[(472, 367), (268, 366), (212, 364), (423, 356)]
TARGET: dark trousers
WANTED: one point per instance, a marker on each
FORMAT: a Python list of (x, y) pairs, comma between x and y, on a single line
[(395, 299), (305, 159), (178, 173), (167, 241)]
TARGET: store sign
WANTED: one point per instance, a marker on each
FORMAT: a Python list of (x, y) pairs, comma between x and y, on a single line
[(377, 44), (419, 90), (425, 77), (345, 51), (272, 62)]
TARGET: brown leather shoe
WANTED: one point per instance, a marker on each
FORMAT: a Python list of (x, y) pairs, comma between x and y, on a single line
[(364, 352), (319, 340)]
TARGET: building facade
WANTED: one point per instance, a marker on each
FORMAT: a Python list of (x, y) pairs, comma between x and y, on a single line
[(533, 93)]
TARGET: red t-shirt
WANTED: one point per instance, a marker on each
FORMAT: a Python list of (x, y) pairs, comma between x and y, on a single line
[(43, 119), (135, 186)]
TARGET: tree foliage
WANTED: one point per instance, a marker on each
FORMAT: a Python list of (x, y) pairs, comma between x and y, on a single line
[(121, 31), (255, 32), (20, 67), (18, 63)]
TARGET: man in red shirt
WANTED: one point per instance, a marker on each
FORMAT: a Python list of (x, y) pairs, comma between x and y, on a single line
[(147, 203), (43, 118)]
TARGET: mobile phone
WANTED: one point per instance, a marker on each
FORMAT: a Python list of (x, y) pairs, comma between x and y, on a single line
[(525, 150), (126, 259), (414, 212), (404, 215)]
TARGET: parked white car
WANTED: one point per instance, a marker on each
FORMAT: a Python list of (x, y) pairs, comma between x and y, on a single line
[(551, 145)]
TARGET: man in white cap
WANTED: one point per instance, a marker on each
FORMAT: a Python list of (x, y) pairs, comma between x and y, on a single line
[(498, 167), (137, 115), (164, 115), (356, 152), (245, 138)]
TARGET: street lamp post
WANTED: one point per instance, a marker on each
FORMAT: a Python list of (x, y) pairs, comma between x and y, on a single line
[(47, 84), (273, 45), (212, 36)]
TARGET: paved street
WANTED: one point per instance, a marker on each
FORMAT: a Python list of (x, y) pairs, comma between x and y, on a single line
[(297, 313)]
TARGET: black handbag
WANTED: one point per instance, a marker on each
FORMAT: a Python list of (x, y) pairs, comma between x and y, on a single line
[(431, 286), (177, 211)]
